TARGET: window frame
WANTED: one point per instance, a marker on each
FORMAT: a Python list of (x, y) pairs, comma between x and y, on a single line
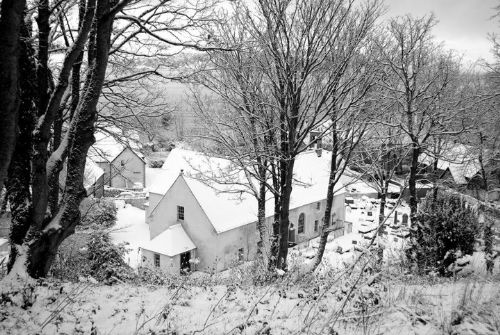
[(316, 226), (181, 213), (241, 254), (301, 224), (156, 260)]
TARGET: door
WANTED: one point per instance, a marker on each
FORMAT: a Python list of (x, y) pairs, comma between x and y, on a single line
[(185, 264), (291, 235)]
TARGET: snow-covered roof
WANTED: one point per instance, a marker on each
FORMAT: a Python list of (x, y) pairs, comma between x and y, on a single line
[(363, 187), (173, 241), (229, 206), (159, 180), (106, 147), (91, 174), (461, 160)]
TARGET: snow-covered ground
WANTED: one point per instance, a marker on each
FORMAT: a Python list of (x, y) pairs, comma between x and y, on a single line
[(130, 227), (462, 308)]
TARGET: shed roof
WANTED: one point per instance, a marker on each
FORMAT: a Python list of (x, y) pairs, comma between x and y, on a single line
[(173, 241)]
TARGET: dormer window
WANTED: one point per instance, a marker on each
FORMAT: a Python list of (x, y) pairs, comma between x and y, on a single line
[(180, 213)]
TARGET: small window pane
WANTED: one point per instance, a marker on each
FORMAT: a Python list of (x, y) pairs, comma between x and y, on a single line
[(300, 228), (157, 260), (180, 213), (241, 254)]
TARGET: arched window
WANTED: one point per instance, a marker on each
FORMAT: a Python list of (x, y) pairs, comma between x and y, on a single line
[(302, 219)]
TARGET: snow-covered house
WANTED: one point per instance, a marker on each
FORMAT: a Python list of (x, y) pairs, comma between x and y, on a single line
[(457, 163), (122, 163), (210, 228)]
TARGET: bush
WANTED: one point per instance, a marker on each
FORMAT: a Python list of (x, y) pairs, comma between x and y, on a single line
[(106, 260), (443, 230), (90, 251), (156, 164), (100, 213), (71, 259)]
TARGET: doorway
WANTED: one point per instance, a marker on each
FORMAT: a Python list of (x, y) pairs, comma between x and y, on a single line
[(185, 262), (291, 236)]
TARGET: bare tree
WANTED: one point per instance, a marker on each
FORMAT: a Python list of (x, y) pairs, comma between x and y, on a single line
[(417, 76), (59, 115), (238, 117), (379, 158), (297, 38), (11, 17)]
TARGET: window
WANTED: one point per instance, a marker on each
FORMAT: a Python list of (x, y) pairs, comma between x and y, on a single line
[(122, 162), (157, 260), (241, 254), (318, 205), (300, 228), (180, 213), (316, 225)]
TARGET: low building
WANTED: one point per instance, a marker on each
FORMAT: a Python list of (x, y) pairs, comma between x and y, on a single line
[(210, 227), (123, 165), (457, 164)]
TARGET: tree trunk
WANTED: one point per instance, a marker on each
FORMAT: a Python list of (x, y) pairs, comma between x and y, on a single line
[(11, 18), (40, 246), (54, 176), (415, 233), (381, 214), (261, 218), (481, 163), (413, 180), (286, 191), (435, 179), (329, 201), (43, 247), (18, 181)]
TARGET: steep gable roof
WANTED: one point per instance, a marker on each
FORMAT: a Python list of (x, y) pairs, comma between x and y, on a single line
[(107, 148), (229, 206)]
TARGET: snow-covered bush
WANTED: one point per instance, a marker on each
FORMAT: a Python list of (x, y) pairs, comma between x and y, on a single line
[(444, 229), (106, 260), (71, 259), (100, 213), (156, 164), (90, 251)]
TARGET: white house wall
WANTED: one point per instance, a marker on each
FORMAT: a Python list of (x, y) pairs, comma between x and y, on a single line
[(132, 171), (218, 252), (195, 223), (229, 243), (311, 214), (168, 264)]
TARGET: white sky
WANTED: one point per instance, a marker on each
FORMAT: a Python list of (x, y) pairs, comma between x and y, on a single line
[(463, 24)]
